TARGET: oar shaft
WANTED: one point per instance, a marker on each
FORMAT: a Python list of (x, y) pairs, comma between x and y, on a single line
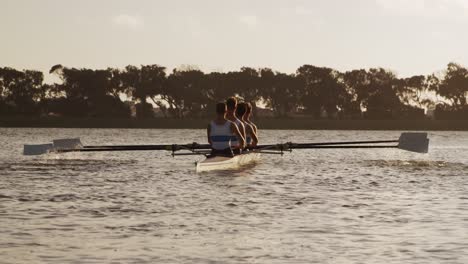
[(345, 143), (136, 148), (342, 147), (153, 147), (108, 149), (150, 147), (291, 145)]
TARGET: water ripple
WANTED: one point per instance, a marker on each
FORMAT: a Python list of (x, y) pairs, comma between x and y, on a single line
[(316, 206)]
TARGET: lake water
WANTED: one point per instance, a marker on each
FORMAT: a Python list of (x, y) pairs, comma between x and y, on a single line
[(308, 206)]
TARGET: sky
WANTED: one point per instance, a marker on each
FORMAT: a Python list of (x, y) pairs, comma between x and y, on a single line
[(408, 37)]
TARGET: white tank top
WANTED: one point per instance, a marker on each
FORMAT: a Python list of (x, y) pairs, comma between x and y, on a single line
[(220, 135), (234, 141)]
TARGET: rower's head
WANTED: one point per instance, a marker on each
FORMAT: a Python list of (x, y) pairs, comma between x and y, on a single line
[(241, 110), (231, 104), (221, 109)]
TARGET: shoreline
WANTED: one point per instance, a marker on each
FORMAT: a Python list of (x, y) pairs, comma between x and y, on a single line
[(263, 123)]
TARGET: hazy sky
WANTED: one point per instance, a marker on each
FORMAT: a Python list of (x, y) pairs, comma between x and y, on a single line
[(406, 36)]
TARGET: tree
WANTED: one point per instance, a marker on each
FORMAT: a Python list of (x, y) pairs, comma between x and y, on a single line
[(184, 93), (323, 90), (280, 91), (383, 100), (245, 83), (453, 86), (215, 88), (377, 90), (20, 91), (144, 83), (87, 93), (414, 90)]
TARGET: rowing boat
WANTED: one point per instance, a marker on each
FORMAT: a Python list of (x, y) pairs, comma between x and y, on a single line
[(409, 141), (227, 163)]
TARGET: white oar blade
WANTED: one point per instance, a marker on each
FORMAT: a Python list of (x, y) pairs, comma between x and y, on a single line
[(37, 149), (67, 143), (57, 144), (415, 142)]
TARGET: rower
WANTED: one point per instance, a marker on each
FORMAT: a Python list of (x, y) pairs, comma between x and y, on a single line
[(220, 132), (231, 104), (251, 135)]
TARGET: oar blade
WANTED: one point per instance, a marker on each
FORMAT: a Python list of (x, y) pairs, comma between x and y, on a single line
[(67, 144), (56, 145), (39, 149), (414, 141)]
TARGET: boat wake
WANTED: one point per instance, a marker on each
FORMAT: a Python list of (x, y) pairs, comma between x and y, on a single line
[(41, 166), (416, 164)]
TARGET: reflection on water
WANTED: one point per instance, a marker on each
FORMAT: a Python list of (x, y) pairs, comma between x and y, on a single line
[(324, 206)]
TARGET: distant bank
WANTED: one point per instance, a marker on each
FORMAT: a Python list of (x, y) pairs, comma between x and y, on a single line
[(264, 123)]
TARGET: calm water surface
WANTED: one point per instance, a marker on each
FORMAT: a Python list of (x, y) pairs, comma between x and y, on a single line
[(308, 206)]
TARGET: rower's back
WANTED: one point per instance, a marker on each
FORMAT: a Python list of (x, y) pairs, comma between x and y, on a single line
[(231, 104), (220, 134), (250, 133)]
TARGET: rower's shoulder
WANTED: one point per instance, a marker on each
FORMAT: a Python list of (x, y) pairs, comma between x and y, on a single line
[(248, 125), (231, 122), (220, 123), (240, 122)]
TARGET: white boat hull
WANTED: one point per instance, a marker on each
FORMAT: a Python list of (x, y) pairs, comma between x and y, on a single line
[(227, 163)]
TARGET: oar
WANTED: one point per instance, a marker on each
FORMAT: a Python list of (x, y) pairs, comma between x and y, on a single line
[(75, 145), (292, 145), (410, 141), (173, 147), (151, 147)]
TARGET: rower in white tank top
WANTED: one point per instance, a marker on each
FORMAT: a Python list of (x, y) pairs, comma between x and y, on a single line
[(220, 132), (221, 135)]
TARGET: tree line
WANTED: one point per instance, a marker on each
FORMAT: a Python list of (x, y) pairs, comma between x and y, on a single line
[(318, 92)]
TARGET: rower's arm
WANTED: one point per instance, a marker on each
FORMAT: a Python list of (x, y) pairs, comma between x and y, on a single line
[(244, 132), (238, 134), (253, 135), (254, 127)]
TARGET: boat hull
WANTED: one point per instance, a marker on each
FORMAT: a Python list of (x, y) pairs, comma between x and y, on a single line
[(227, 163)]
